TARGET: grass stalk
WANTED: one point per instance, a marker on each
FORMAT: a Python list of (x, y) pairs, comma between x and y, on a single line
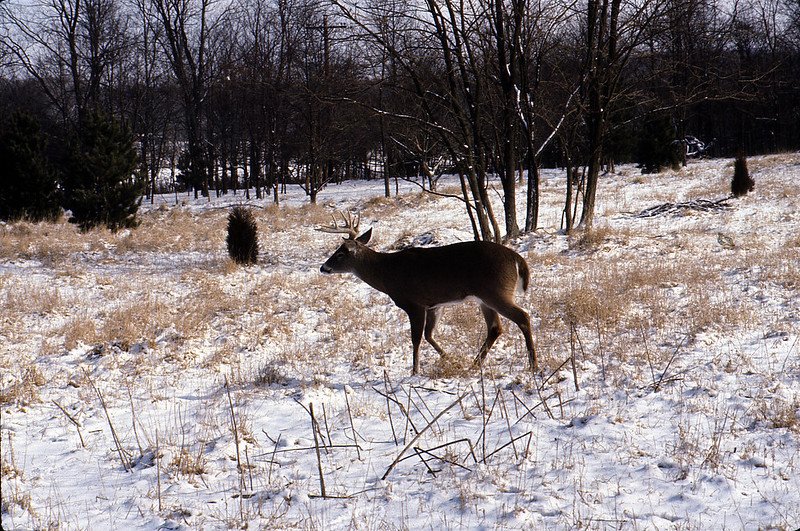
[(123, 457)]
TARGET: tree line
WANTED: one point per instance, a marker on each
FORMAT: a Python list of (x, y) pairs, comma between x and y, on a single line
[(221, 96)]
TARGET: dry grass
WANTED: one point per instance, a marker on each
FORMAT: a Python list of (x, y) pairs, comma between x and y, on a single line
[(24, 298), (79, 329), (24, 387), (613, 293), (184, 463)]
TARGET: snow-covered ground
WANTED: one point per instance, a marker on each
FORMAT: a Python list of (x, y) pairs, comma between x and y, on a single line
[(147, 383)]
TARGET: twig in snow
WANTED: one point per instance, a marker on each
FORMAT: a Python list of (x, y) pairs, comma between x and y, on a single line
[(573, 334), (407, 412), (544, 402), (416, 390), (234, 426), (483, 418), (272, 461), (158, 472), (419, 434), (133, 417), (352, 426), (511, 443), (327, 429), (647, 354), (316, 446), (508, 422), (445, 445), (75, 422), (418, 452), (249, 468), (529, 411), (563, 363), (388, 407), (657, 385), (239, 468), (305, 448)]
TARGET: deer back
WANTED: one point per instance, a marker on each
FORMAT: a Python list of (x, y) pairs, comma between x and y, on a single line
[(433, 276)]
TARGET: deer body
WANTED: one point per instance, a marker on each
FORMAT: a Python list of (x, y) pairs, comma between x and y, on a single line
[(421, 280)]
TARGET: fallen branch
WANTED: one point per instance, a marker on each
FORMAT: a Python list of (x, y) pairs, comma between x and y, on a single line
[(511, 443), (699, 205), (430, 451)]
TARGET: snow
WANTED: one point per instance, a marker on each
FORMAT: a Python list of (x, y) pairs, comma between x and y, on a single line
[(685, 413)]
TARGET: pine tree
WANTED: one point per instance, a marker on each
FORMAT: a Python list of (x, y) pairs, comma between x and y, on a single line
[(100, 185), (656, 149), (242, 237), (28, 184)]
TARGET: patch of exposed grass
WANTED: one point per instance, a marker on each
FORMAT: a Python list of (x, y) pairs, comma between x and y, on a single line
[(23, 387)]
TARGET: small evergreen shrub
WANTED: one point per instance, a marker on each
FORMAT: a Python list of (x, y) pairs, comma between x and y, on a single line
[(741, 183), (28, 182), (242, 237)]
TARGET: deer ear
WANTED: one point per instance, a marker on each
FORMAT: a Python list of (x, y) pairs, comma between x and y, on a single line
[(364, 238)]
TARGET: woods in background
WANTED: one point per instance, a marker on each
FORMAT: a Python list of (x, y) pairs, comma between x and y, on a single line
[(247, 96)]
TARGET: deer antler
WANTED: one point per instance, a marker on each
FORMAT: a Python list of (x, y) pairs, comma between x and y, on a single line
[(349, 227)]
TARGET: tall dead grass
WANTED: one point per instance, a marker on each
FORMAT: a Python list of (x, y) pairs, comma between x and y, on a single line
[(615, 295), (604, 284)]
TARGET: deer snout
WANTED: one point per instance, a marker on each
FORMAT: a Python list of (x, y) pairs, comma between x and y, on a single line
[(325, 269)]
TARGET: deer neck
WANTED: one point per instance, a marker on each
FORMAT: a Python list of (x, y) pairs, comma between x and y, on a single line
[(371, 268)]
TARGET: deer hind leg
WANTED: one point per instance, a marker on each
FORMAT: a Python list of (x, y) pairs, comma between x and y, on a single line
[(431, 316), (493, 331), (514, 313)]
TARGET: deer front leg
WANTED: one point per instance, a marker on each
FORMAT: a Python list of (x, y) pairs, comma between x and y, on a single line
[(416, 315)]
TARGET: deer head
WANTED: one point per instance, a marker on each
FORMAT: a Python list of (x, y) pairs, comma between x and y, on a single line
[(343, 259)]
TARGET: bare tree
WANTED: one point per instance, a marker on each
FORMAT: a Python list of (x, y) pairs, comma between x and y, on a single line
[(613, 30), (73, 48), (152, 107), (187, 26), (438, 55)]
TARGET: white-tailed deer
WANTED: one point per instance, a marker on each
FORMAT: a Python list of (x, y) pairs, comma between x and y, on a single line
[(421, 280)]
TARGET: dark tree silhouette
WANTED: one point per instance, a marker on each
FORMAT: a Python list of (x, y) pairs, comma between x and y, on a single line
[(657, 149), (27, 181)]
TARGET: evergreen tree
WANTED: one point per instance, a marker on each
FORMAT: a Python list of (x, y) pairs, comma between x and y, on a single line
[(28, 184), (242, 237), (656, 149), (100, 185)]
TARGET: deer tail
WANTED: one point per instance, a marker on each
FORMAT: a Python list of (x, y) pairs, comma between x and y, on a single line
[(523, 272)]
